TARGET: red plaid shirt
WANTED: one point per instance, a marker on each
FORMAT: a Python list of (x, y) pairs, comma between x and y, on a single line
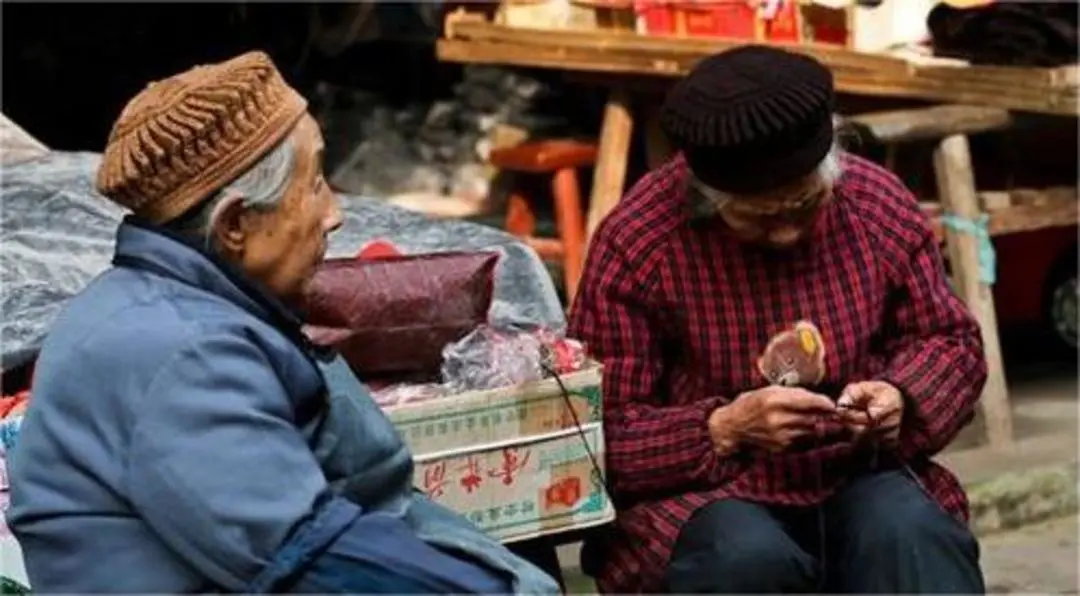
[(678, 312)]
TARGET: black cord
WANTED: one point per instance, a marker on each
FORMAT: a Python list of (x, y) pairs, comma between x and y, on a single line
[(577, 423), (823, 543)]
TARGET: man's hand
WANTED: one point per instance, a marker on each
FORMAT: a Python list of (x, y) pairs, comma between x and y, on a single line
[(872, 405), (770, 418)]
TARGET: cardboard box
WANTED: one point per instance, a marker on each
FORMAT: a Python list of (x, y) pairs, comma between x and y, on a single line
[(514, 461), (887, 26)]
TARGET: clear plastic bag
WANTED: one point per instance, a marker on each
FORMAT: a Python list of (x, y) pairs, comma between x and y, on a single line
[(405, 393), (562, 355), (490, 358)]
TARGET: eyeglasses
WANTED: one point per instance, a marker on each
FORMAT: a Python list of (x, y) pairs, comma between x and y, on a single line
[(767, 210)]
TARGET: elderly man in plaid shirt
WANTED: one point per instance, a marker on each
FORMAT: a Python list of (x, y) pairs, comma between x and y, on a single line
[(783, 356)]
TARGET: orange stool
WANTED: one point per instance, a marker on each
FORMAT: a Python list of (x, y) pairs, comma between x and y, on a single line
[(560, 159)]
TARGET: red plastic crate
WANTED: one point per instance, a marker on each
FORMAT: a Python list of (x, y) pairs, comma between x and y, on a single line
[(659, 18), (730, 19)]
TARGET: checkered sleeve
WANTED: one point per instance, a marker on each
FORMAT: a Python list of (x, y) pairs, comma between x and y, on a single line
[(652, 446), (935, 348)]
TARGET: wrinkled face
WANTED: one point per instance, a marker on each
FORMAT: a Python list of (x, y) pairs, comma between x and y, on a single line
[(778, 219), (282, 247)]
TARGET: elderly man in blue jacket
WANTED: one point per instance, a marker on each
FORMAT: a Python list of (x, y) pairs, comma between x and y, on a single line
[(183, 435)]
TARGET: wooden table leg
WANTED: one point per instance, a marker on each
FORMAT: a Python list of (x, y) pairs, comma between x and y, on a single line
[(956, 189), (614, 151)]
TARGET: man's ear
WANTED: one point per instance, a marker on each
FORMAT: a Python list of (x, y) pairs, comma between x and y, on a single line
[(230, 226)]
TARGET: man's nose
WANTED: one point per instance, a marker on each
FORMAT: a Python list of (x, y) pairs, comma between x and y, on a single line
[(334, 217)]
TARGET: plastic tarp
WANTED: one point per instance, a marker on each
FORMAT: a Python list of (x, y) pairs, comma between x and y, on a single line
[(57, 235)]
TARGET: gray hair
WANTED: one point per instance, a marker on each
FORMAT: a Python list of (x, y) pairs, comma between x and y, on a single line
[(706, 200), (831, 168), (261, 187)]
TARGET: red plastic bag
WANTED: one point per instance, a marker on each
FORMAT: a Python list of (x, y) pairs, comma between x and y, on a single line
[(394, 315)]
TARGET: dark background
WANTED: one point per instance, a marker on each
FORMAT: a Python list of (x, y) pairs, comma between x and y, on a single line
[(68, 68)]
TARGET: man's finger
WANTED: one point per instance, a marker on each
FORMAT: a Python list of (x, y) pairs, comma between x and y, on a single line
[(796, 420), (888, 422), (858, 433), (886, 407), (856, 394), (845, 401), (881, 414), (804, 401), (854, 417)]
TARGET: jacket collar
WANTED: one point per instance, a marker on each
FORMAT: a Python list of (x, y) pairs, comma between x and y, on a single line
[(154, 249)]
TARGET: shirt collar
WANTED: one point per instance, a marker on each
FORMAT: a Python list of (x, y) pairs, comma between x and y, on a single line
[(146, 246)]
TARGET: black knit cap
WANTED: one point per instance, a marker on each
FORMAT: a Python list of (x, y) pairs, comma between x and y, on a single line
[(752, 118)]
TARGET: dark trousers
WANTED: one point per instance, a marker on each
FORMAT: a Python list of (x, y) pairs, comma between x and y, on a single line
[(380, 554), (880, 534)]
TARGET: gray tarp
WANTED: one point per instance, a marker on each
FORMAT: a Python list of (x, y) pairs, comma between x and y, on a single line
[(57, 234)]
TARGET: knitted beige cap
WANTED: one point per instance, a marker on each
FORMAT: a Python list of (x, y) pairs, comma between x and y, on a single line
[(186, 137)]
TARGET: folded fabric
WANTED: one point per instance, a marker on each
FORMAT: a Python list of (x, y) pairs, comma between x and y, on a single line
[(1007, 34)]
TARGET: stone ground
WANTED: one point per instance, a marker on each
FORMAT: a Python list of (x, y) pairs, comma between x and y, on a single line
[(1042, 389), (1040, 559), (1037, 559)]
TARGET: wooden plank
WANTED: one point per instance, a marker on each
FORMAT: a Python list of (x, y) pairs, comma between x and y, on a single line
[(613, 42), (476, 29), (1029, 210), (994, 200), (956, 188), (609, 175), (1030, 218), (931, 123), (1045, 90)]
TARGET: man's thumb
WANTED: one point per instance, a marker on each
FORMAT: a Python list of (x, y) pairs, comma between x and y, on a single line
[(853, 394)]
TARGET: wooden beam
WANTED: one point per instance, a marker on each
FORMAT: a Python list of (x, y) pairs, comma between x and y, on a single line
[(607, 43), (931, 123), (956, 188), (1033, 210), (609, 176), (1028, 210), (472, 40)]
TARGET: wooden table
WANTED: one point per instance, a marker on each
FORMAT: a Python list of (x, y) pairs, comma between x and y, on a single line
[(471, 38), (627, 62)]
